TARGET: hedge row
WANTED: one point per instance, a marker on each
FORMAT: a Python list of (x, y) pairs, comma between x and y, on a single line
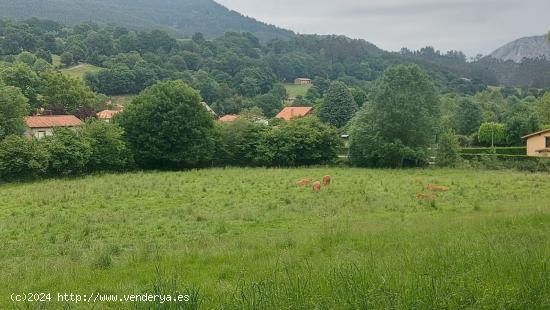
[(497, 150), (503, 161)]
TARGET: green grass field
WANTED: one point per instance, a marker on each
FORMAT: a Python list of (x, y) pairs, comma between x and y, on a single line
[(251, 239), (296, 90), (78, 71)]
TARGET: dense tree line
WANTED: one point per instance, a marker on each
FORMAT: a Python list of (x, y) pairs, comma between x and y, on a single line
[(229, 71), (394, 113)]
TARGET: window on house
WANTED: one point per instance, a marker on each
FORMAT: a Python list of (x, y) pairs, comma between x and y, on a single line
[(41, 134), (548, 142)]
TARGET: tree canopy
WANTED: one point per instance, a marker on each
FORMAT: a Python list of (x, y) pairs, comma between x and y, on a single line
[(400, 121), (169, 119)]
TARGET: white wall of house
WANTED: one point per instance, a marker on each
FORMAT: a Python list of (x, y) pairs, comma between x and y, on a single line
[(40, 133)]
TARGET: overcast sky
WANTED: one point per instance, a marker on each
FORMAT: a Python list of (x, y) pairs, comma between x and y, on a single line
[(472, 26)]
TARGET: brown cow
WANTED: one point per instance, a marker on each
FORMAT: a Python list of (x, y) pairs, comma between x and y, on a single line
[(303, 183), (435, 188), (326, 180), (316, 186)]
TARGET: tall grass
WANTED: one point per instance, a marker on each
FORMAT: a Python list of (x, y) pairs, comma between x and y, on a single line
[(251, 239)]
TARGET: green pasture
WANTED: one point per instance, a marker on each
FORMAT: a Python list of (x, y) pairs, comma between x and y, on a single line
[(252, 239)]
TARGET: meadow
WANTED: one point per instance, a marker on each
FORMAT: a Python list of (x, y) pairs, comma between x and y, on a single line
[(297, 90), (252, 239), (79, 70)]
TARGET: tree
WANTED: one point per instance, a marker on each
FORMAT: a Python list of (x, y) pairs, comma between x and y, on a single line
[(467, 116), (300, 142), (338, 106), (492, 134), (108, 149), (241, 142), (41, 65), (21, 158), (23, 77), (69, 152), (448, 150), (13, 108), (169, 119), (520, 125), (26, 58), (67, 59), (542, 108), (67, 92), (359, 95), (398, 125), (270, 104)]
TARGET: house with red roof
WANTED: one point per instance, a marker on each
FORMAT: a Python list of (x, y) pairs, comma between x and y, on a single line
[(43, 125), (107, 115), (289, 113), (228, 118)]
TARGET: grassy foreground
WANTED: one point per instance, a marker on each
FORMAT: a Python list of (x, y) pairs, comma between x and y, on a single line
[(251, 239)]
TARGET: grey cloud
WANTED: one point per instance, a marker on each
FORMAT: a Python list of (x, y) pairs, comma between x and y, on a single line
[(468, 25)]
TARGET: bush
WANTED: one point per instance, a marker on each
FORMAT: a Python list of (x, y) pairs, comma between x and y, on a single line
[(22, 158), (448, 151), (69, 152), (517, 162), (241, 143), (108, 149), (300, 142), (496, 150)]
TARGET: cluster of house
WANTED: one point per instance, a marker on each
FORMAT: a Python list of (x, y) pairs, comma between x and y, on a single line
[(40, 126)]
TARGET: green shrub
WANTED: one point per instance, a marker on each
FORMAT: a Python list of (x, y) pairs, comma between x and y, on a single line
[(22, 158), (69, 152), (448, 151), (240, 143), (497, 150), (300, 142), (500, 161), (108, 149)]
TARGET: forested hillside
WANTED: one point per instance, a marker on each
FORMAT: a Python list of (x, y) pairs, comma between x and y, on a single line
[(182, 17)]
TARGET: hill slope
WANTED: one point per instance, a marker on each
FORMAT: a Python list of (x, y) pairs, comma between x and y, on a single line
[(528, 47), (184, 17)]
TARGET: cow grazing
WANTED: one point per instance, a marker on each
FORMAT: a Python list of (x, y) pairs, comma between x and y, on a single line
[(303, 183), (326, 180), (317, 186), (435, 188)]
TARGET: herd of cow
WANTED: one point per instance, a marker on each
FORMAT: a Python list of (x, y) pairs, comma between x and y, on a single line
[(316, 184), (420, 196)]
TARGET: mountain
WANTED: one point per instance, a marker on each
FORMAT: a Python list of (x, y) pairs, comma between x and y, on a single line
[(182, 17), (528, 47)]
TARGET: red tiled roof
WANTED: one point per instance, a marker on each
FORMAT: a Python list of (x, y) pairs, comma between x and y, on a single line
[(107, 114), (228, 118), (49, 121), (289, 113)]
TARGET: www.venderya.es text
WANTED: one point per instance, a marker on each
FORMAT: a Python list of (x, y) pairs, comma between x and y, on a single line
[(92, 297)]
